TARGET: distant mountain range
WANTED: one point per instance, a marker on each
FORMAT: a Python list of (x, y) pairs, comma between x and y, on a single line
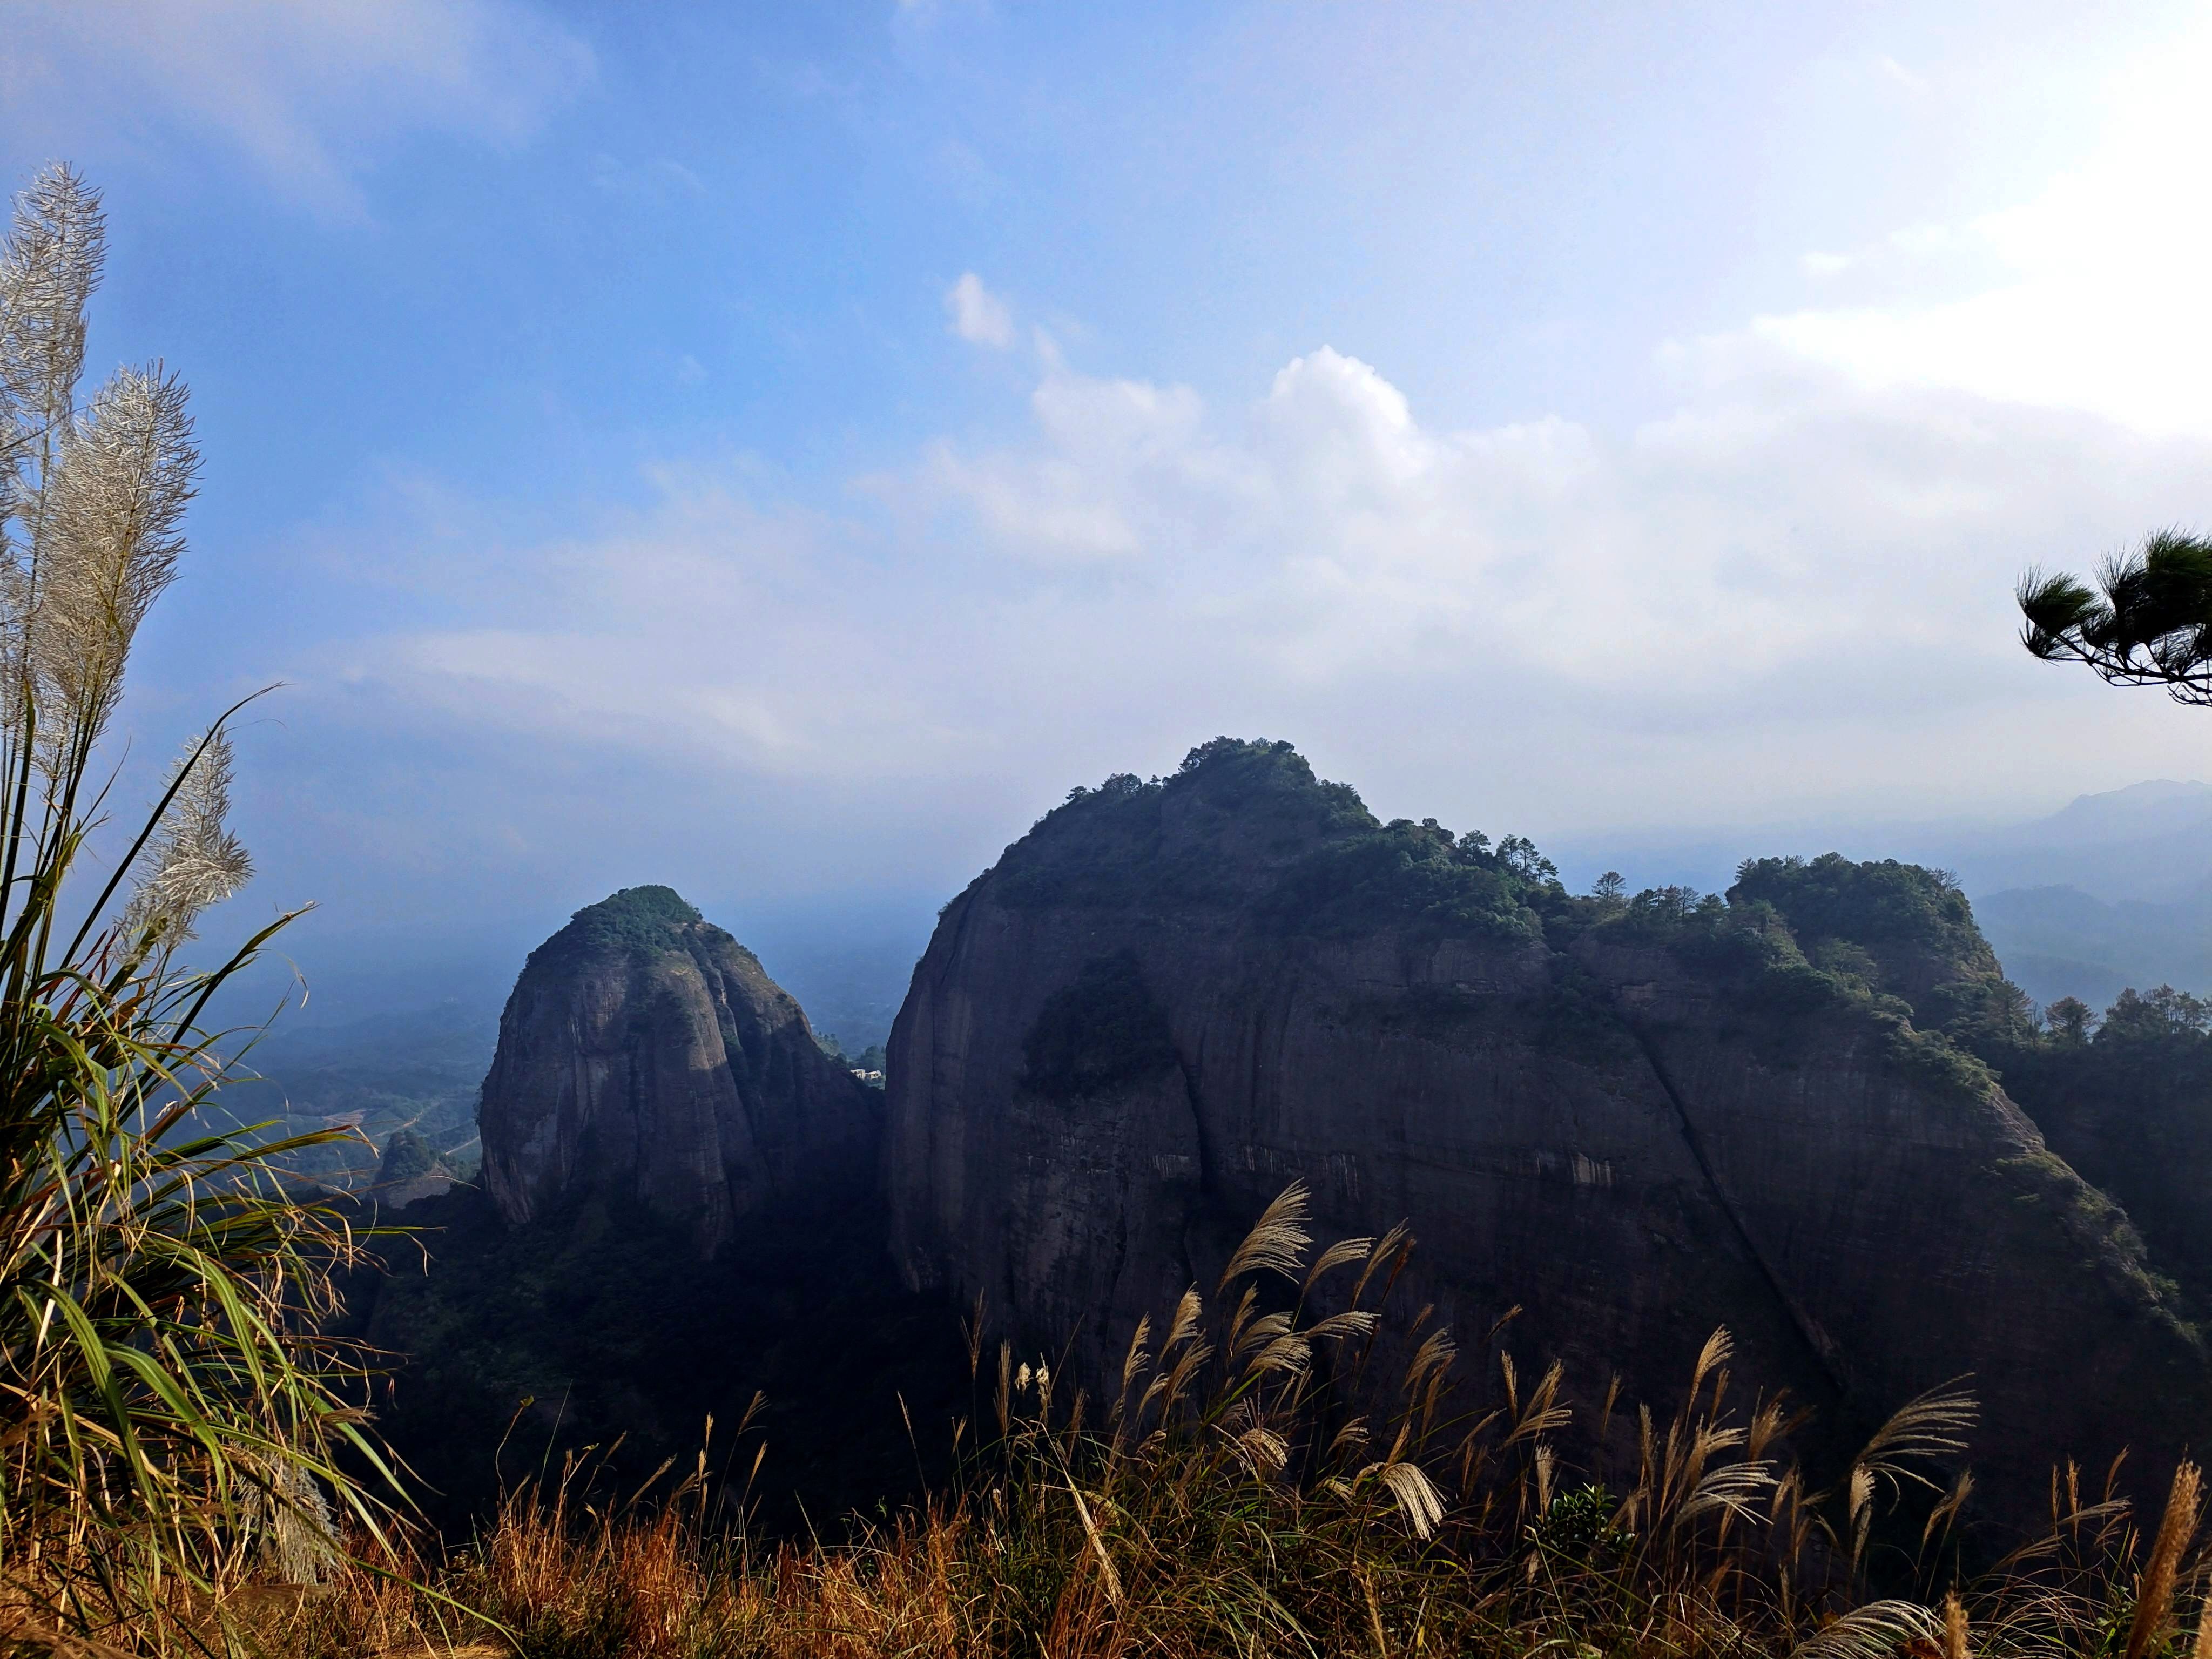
[(2115, 890), (2112, 891), (1629, 1121)]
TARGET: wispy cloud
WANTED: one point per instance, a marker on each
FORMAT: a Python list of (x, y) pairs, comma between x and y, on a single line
[(1896, 72), (312, 94), (978, 315), (1792, 594)]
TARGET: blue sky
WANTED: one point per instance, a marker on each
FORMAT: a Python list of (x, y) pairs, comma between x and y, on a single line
[(777, 450)]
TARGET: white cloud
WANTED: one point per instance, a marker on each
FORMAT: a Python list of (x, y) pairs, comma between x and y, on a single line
[(978, 315), (1901, 75), (1792, 595), (309, 92), (2091, 292), (1788, 596)]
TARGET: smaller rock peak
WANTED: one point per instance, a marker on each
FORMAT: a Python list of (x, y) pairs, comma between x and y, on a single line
[(409, 1169), (647, 1058)]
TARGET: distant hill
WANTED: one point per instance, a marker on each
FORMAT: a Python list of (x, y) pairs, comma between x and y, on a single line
[(2150, 841), (2060, 942), (2156, 808), (2113, 889), (414, 1069)]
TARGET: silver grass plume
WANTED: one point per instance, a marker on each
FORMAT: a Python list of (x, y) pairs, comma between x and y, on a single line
[(49, 266), (194, 861), (111, 537)]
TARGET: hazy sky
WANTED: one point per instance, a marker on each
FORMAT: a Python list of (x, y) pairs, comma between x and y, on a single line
[(777, 450)]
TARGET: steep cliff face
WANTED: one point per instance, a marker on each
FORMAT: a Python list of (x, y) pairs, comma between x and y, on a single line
[(1634, 1122), (2131, 1109), (645, 1058)]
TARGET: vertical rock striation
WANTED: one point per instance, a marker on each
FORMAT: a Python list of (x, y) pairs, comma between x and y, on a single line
[(1633, 1122), (645, 1058)]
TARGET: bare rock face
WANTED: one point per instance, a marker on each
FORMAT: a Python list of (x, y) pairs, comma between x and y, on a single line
[(645, 1058), (1634, 1122)]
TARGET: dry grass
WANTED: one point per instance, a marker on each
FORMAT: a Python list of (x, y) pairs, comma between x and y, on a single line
[(1251, 1490)]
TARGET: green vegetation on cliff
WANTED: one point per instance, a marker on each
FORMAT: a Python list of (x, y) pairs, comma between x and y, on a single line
[(1902, 929), (2127, 1101), (1249, 822), (638, 919), (1104, 1030), (407, 1157)]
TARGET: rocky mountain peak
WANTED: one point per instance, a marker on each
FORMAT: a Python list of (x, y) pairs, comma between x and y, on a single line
[(1634, 1121), (646, 1058)]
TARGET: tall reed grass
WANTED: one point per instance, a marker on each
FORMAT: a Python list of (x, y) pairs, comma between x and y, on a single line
[(1256, 1481), (170, 1421)]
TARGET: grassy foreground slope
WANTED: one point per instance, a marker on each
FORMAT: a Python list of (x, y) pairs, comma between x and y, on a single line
[(1254, 1488)]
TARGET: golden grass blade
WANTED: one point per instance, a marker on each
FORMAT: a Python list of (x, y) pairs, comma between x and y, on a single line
[(1277, 1242), (1877, 1630), (2154, 1591), (1954, 1627)]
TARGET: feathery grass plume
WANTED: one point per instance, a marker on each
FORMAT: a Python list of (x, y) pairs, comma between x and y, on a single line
[(176, 1418), (1928, 1428), (1342, 1253), (1184, 1327), (195, 861), (2154, 1592), (1002, 1400), (1859, 1508), (1417, 1496), (106, 546), (1352, 1322), (1733, 1491), (50, 267), (1390, 1250), (1432, 1358), (1941, 1517), (2201, 1647), (1877, 1630), (1289, 1353), (1719, 1348), (50, 264), (1954, 1627), (1931, 1427), (1277, 1242), (1545, 1412), (1134, 1363)]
